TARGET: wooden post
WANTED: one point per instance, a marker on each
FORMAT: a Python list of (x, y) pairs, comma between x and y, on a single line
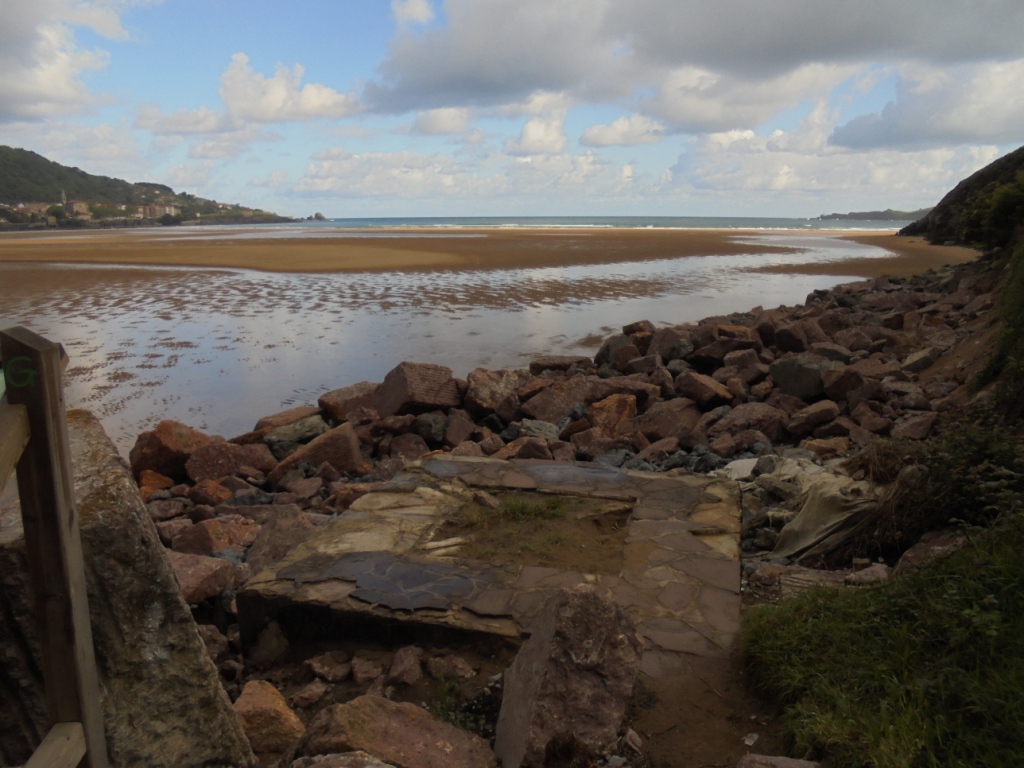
[(33, 371)]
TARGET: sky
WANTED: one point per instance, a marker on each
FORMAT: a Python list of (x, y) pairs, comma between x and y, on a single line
[(359, 108)]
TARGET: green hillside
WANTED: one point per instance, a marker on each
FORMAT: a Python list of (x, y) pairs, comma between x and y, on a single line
[(982, 210), (887, 215), (27, 177)]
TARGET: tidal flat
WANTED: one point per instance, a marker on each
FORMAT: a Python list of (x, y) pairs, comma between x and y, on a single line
[(217, 346)]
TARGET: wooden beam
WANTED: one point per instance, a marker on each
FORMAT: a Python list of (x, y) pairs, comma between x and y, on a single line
[(63, 747), (53, 546), (13, 437)]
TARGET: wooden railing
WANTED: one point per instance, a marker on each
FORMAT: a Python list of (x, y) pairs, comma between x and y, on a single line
[(34, 441)]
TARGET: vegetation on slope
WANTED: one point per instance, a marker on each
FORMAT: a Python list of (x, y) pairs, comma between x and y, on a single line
[(28, 177), (982, 210), (927, 671)]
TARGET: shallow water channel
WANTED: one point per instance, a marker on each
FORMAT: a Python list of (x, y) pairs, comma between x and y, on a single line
[(218, 348)]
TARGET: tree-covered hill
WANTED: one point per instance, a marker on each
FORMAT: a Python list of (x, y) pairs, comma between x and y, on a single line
[(27, 177), (983, 210)]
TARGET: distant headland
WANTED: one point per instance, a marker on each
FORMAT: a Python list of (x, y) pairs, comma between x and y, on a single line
[(37, 193)]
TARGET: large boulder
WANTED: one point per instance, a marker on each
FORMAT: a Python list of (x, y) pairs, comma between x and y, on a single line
[(166, 449), (402, 734), (415, 388), (801, 375), (571, 681), (162, 700), (339, 403), (339, 447), (757, 416), (269, 723), (218, 459)]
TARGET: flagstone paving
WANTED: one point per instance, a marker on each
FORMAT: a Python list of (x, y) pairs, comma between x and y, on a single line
[(680, 579)]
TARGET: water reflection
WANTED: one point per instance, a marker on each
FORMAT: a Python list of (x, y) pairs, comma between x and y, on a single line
[(219, 348)]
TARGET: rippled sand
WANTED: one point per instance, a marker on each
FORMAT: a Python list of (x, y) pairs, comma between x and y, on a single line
[(218, 348)]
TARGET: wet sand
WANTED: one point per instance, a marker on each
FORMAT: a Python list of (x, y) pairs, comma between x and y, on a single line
[(463, 249)]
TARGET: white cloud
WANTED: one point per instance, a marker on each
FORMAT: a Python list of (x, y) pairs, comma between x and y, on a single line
[(933, 107), (544, 135), (105, 150), (190, 176), (229, 143), (787, 172), (412, 11), (403, 175), (624, 131), (183, 121), (249, 95), (695, 100), (441, 121)]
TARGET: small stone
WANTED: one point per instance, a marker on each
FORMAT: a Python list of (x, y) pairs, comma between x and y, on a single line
[(311, 694), (449, 667), (271, 645), (333, 666), (365, 670), (407, 666), (268, 722)]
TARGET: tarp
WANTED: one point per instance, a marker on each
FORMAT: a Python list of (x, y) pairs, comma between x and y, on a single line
[(832, 508)]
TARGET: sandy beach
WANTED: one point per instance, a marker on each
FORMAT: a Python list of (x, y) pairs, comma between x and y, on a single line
[(463, 249)]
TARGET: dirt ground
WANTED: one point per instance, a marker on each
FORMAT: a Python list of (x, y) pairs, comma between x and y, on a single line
[(582, 535)]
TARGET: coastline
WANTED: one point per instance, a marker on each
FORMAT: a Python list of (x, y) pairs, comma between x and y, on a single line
[(422, 249)]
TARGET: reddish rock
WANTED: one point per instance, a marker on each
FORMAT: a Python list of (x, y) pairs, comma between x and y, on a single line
[(339, 447), (459, 429), (524, 448), (171, 528), (311, 694), (284, 418), (365, 670), (201, 577), (333, 666), (409, 447), (402, 734), (932, 546), (668, 418), (702, 389), (217, 646), (916, 427), (556, 401), (640, 326), (660, 450), (407, 666), (166, 449), (468, 448), (531, 387), (268, 722), (215, 460), (339, 404), (831, 351), (645, 364), (165, 509), (804, 421), (760, 416), (215, 535), (827, 449), (416, 387), (664, 381), (741, 358), (664, 341), (450, 667), (876, 368), (561, 450), (725, 446), (839, 382), (491, 445), (609, 414), (150, 482), (209, 492), (571, 681), (853, 339), (622, 356)]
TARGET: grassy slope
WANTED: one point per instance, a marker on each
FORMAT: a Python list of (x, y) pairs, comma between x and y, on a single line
[(928, 671)]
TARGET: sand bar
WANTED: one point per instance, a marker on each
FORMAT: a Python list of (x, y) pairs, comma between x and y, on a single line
[(463, 249)]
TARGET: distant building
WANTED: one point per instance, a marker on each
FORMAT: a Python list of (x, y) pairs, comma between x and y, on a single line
[(78, 209)]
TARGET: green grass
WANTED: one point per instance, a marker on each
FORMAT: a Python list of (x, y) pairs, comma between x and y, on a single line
[(926, 672)]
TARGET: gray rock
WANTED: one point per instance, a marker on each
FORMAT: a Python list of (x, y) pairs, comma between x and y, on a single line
[(536, 428), (301, 431), (163, 702), (570, 682), (800, 375)]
